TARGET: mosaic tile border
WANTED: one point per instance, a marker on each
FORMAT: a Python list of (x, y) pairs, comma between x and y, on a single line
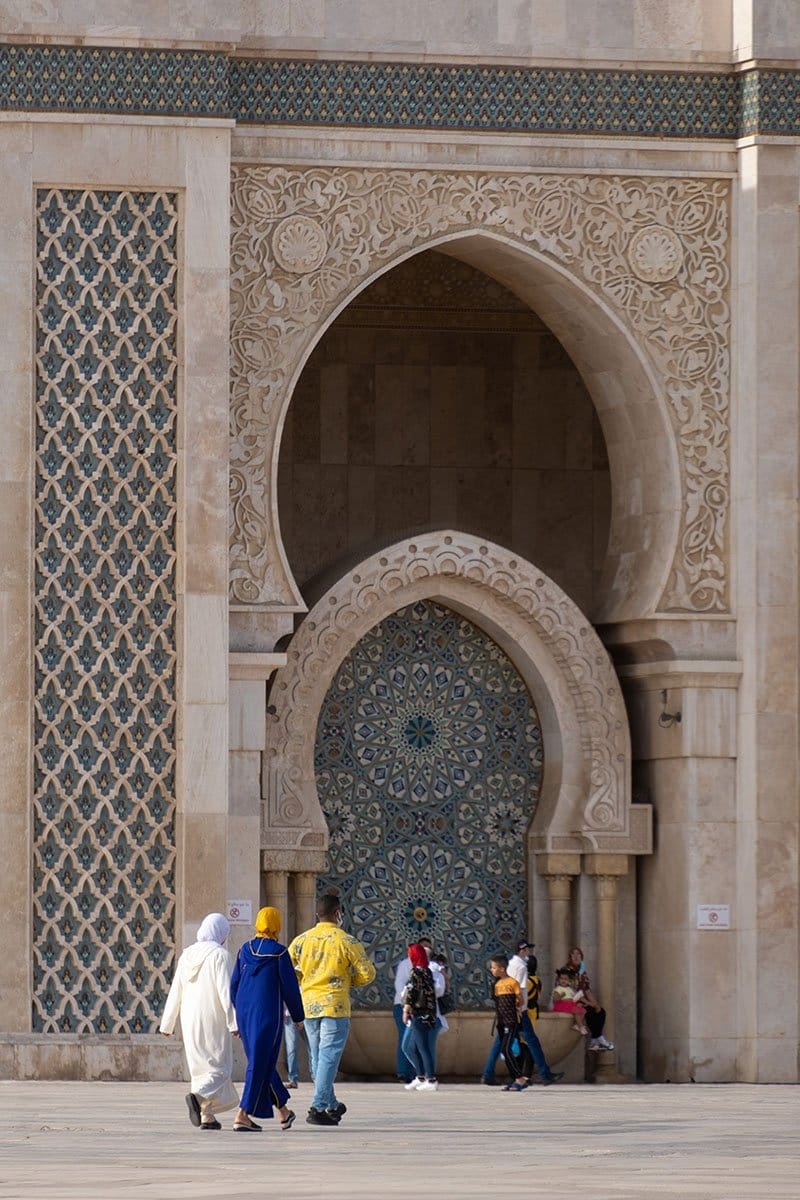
[(103, 79), (467, 96)]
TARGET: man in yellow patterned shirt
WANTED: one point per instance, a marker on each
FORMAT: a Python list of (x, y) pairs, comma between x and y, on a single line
[(328, 963)]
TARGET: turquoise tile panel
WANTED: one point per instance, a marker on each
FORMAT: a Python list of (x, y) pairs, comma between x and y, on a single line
[(429, 764)]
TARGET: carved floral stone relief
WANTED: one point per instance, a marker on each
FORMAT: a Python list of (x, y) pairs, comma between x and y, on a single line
[(654, 250), (502, 584)]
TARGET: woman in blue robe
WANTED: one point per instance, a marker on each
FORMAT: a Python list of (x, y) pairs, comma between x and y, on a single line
[(263, 981)]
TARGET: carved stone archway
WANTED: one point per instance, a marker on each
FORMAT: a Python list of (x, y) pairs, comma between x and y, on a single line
[(630, 273), (585, 803)]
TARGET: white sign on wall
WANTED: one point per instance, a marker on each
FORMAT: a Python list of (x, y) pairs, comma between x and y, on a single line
[(713, 916), (240, 912)]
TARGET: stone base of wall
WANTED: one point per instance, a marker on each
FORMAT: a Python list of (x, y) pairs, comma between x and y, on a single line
[(85, 1056)]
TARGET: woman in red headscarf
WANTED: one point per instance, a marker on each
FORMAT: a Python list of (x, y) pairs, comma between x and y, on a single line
[(420, 1015)]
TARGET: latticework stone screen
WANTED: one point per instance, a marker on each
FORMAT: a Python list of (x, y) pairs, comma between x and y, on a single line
[(104, 621)]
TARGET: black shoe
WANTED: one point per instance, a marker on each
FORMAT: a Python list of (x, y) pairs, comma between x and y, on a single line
[(489, 1082), (317, 1116), (194, 1109), (337, 1111), (552, 1078), (213, 1124)]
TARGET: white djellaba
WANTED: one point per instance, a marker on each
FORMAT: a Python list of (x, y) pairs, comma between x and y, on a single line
[(200, 994)]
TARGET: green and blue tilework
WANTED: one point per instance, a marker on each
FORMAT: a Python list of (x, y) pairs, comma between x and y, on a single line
[(386, 95), (104, 609), (428, 761), (103, 79)]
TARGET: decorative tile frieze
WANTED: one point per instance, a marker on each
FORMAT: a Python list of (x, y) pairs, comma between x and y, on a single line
[(104, 609), (108, 79), (467, 96), (429, 767), (359, 94)]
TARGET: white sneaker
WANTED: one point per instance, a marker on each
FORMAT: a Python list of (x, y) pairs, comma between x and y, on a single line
[(594, 1044), (428, 1085), (605, 1044), (415, 1083)]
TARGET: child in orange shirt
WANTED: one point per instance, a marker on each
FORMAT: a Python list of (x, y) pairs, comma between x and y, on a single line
[(509, 1005)]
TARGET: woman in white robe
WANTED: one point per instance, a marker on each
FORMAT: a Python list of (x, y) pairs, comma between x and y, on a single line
[(200, 994)]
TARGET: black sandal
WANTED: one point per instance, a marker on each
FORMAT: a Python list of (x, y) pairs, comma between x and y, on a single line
[(194, 1108), (251, 1128), (289, 1122), (212, 1124)]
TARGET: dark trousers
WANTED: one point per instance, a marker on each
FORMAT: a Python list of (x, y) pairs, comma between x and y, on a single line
[(534, 1045), (515, 1052), (595, 1021)]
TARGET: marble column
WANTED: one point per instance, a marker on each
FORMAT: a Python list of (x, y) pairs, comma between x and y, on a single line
[(276, 890), (305, 894), (606, 868), (559, 871)]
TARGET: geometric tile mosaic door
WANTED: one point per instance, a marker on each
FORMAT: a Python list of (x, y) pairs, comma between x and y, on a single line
[(104, 622), (428, 762)]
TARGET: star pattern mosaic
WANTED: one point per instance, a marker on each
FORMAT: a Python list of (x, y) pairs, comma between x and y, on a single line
[(104, 609), (429, 764)]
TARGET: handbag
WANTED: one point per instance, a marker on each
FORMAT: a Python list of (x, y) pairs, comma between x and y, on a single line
[(447, 1003)]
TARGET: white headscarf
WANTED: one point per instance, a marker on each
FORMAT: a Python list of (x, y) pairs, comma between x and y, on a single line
[(214, 928)]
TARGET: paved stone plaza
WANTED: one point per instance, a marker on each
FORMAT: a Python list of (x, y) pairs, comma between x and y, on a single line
[(113, 1141)]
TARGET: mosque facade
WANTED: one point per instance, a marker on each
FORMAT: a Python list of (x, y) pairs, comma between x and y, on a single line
[(400, 472)]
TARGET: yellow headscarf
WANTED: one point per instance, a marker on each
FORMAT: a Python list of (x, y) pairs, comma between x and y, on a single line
[(268, 923)]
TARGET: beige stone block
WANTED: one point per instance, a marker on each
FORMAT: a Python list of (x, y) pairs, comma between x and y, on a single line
[(244, 783), (664, 902), (15, 640), (17, 234), (16, 328), (45, 1060), (202, 867), (16, 777), (16, 464), (207, 201), (712, 968), (205, 759), (776, 996), (775, 762), (244, 868), (206, 321), (16, 970), (664, 985), (205, 525), (713, 1059), (776, 865), (205, 416), (205, 656), (774, 657), (775, 1061), (712, 865), (248, 703), (7, 1060)]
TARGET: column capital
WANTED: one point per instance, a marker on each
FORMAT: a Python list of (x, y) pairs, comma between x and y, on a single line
[(558, 864), (605, 864)]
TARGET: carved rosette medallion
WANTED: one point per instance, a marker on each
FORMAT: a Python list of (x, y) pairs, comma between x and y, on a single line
[(299, 245), (654, 251), (655, 254)]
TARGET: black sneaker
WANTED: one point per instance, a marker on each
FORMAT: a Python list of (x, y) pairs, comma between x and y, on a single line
[(318, 1116), (337, 1111), (552, 1078)]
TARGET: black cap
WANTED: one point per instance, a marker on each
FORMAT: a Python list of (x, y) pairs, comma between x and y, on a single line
[(525, 945)]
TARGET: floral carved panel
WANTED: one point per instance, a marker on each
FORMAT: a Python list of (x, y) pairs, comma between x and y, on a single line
[(654, 253)]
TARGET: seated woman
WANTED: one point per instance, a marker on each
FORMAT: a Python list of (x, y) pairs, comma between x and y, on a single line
[(595, 1014)]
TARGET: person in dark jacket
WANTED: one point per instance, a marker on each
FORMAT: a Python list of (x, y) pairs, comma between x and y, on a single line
[(263, 982)]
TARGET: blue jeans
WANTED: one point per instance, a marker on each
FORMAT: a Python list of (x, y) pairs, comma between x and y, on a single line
[(291, 1035), (327, 1037), (419, 1046), (528, 1034), (404, 1069)]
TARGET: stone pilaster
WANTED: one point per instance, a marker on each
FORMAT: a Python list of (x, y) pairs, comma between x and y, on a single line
[(606, 868)]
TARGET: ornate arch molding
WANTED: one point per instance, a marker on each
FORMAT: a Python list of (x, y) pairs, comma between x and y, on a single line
[(647, 262), (586, 796)]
